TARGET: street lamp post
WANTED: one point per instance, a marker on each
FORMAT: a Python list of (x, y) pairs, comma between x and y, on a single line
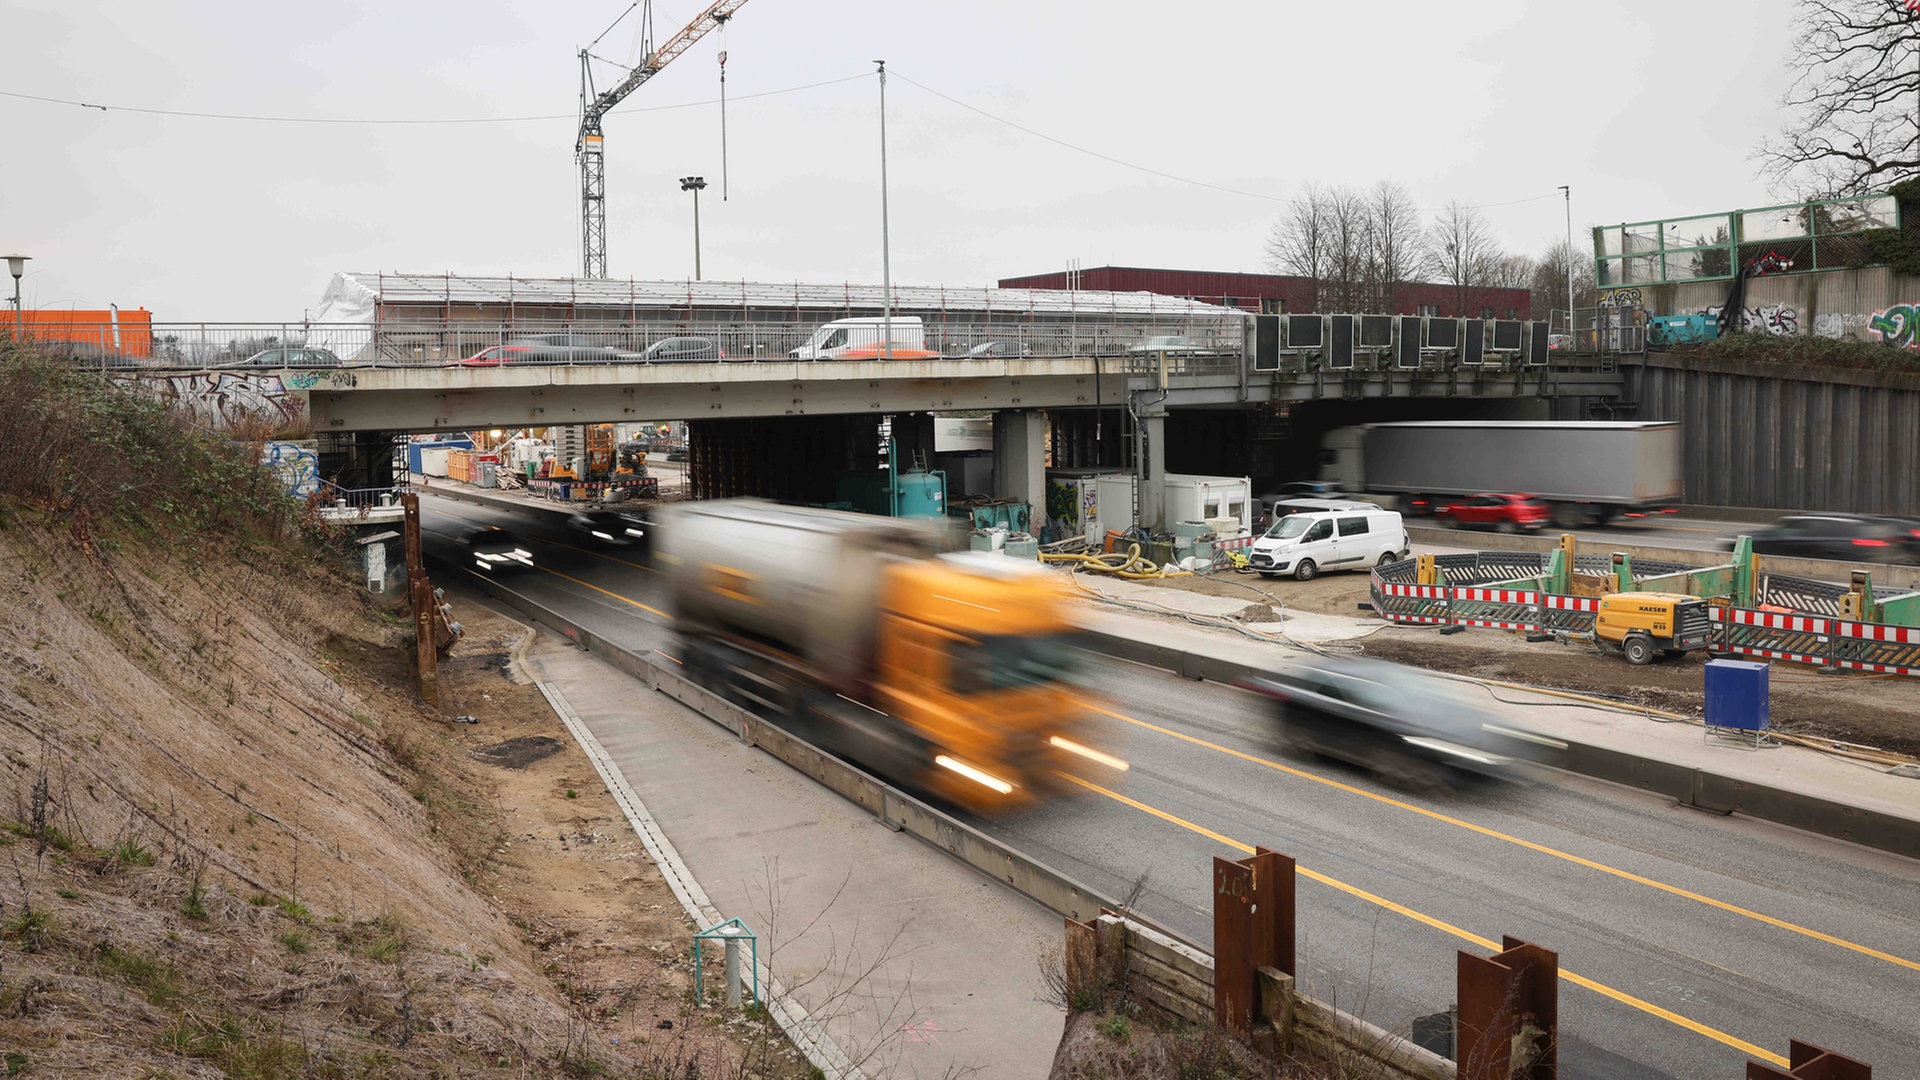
[(16, 265), (1567, 190), (695, 184), (886, 251)]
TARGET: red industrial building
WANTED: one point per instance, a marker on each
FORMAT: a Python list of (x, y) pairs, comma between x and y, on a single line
[(1277, 293)]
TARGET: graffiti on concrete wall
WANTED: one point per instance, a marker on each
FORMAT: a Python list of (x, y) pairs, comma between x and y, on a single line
[(1898, 326), (222, 401), (1776, 319), (295, 464), (1063, 506), (1839, 324), (1621, 298)]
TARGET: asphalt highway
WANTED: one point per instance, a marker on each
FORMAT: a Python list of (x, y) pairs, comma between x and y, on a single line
[(1652, 530), (1689, 943)]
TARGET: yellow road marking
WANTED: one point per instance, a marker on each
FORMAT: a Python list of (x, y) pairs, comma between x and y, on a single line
[(1530, 845), (1445, 927), (604, 592), (586, 584)]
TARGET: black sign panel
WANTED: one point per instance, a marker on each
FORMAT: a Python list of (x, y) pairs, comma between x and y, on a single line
[(1376, 331), (1303, 332), (1266, 343), (1538, 343), (1443, 333), (1507, 335), (1340, 341), (1473, 349), (1406, 352)]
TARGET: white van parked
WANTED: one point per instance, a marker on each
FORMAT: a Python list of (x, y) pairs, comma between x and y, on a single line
[(860, 339), (1355, 536)]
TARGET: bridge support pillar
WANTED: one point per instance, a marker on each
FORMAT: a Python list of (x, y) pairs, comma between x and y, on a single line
[(1020, 460)]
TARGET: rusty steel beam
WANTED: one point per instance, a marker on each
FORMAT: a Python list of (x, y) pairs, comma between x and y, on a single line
[(1806, 1061), (425, 608), (1509, 1019), (1253, 912)]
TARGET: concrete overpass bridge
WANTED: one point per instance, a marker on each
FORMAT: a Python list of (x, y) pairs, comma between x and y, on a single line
[(1252, 409)]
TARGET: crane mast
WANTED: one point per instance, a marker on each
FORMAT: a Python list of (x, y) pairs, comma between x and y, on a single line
[(588, 147)]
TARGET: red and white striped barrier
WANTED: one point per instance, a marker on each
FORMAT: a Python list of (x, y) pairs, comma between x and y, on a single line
[(1557, 602), (1893, 635), (1773, 620), (1498, 596), (1817, 640)]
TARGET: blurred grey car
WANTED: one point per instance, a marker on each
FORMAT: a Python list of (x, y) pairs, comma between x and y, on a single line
[(287, 357), (567, 349), (1410, 727), (1009, 349), (674, 349)]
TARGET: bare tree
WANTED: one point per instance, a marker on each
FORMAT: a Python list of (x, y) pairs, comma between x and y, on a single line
[(1345, 286), (1549, 280), (1465, 255), (1855, 100), (1298, 244), (1396, 246)]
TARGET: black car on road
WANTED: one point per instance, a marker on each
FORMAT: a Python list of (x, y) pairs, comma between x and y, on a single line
[(1843, 537), (609, 527), (493, 550)]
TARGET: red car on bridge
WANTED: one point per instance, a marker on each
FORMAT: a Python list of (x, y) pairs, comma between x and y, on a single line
[(1502, 513)]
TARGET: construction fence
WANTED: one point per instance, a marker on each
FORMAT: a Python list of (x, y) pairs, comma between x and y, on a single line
[(1772, 630)]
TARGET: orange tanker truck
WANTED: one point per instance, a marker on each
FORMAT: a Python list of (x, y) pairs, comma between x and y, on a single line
[(946, 672)]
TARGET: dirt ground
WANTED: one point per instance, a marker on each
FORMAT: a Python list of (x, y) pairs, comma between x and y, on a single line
[(233, 843), (1875, 710)]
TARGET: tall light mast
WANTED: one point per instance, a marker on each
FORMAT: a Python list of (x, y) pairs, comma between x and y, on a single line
[(588, 148)]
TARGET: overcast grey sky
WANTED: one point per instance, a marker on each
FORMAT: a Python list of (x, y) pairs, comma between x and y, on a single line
[(1646, 109)]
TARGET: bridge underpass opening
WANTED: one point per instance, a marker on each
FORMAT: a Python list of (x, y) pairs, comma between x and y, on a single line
[(1274, 443), (809, 459)]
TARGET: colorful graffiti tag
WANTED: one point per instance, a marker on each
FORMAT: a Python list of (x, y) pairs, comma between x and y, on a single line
[(1839, 324), (1898, 326), (221, 401), (1777, 319), (1620, 298), (296, 464)]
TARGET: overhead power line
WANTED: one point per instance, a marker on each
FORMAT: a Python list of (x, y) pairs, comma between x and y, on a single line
[(260, 119), (1263, 196)]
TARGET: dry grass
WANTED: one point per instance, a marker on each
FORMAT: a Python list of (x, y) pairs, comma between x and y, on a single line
[(231, 842)]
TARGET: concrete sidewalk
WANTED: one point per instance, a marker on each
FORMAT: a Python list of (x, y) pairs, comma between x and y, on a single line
[(913, 963)]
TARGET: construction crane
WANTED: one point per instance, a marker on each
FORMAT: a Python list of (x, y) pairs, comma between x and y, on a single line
[(587, 147)]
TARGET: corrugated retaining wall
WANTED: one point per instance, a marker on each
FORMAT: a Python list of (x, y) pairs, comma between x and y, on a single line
[(1834, 440)]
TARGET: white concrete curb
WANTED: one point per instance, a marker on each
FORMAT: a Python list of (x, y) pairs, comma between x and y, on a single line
[(820, 1050)]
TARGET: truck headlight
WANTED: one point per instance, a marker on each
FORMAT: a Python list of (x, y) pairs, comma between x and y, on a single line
[(978, 776), (1089, 753)]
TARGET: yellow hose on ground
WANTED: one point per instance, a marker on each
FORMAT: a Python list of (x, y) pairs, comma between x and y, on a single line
[(1130, 565)]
